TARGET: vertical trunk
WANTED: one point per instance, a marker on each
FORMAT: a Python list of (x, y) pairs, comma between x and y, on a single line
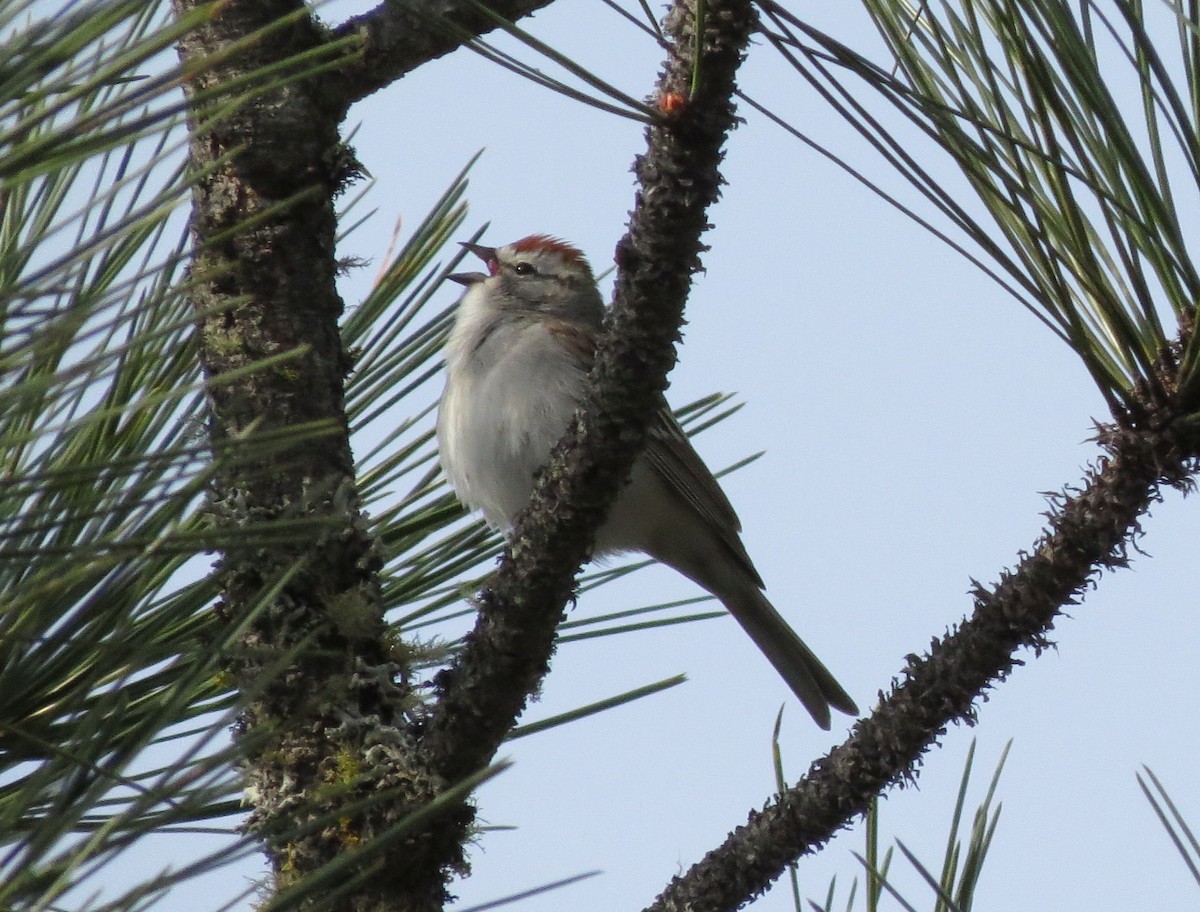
[(321, 719)]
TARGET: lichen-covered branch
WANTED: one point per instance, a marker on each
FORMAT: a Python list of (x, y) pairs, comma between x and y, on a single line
[(323, 718)]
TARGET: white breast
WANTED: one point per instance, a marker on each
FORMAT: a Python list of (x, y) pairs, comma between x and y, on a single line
[(508, 399)]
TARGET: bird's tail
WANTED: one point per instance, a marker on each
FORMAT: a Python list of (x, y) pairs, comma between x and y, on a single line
[(804, 673)]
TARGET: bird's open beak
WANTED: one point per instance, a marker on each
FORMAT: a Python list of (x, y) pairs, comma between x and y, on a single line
[(467, 278), (487, 254)]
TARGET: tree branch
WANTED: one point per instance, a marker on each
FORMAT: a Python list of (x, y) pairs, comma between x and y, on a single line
[(323, 719), (398, 37), (507, 654), (1089, 531)]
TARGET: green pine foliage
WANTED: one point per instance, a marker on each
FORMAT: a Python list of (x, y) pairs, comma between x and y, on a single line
[(1075, 125)]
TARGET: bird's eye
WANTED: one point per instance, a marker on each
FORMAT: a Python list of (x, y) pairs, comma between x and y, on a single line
[(524, 269)]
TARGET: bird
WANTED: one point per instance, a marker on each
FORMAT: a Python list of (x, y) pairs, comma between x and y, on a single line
[(517, 362)]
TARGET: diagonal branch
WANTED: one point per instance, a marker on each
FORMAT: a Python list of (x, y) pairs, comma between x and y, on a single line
[(507, 654), (505, 657), (1089, 531), (399, 37)]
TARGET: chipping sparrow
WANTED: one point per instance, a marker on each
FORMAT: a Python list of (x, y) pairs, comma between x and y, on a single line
[(517, 366)]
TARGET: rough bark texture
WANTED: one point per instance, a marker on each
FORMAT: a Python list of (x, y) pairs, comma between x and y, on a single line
[(1088, 532), (324, 716)]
